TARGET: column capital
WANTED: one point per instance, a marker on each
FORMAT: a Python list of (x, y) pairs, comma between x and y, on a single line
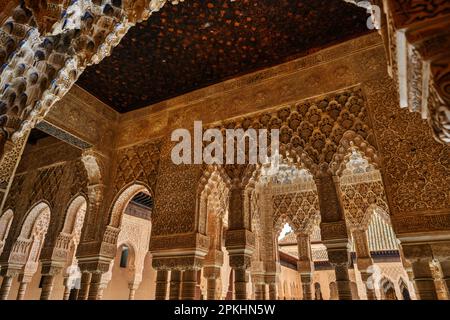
[(240, 241), (181, 263), (51, 268), (240, 261), (334, 232), (94, 265), (441, 251), (10, 271), (211, 272), (417, 252), (339, 256)]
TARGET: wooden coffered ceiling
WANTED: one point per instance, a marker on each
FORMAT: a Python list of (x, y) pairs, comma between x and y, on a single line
[(199, 43)]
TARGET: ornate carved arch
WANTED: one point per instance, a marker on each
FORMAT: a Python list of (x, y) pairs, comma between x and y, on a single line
[(122, 199), (6, 220), (42, 207), (350, 140), (72, 212), (213, 180)]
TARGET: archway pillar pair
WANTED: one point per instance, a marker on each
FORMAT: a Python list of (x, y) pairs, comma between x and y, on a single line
[(54, 264), (178, 259), (16, 265), (94, 279), (50, 269), (334, 230), (94, 260)]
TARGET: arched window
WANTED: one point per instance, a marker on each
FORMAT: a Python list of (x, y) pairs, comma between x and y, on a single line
[(387, 290), (404, 290), (405, 294), (333, 291), (317, 291), (124, 257)]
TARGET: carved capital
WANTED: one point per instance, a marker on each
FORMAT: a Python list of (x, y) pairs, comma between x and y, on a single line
[(181, 263), (240, 241), (417, 252), (240, 261)]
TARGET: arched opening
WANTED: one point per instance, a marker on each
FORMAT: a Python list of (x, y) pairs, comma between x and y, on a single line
[(367, 217), (317, 291), (27, 249), (333, 291), (5, 224), (292, 196), (67, 283), (404, 290), (387, 289), (131, 275), (213, 219), (286, 257)]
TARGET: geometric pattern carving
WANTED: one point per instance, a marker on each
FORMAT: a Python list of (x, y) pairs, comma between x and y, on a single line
[(47, 184), (360, 199), (15, 192), (9, 162), (138, 163), (300, 210), (80, 179), (315, 127)]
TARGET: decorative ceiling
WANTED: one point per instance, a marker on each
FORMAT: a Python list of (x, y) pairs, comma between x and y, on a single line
[(198, 43)]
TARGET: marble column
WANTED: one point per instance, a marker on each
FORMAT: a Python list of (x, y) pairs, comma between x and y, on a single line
[(241, 278), (343, 282), (8, 275), (6, 287), (96, 287), (22, 290), (74, 294), (84, 285), (211, 284), (67, 289), (161, 284), (240, 260), (260, 291), (273, 291), (132, 286), (339, 259), (306, 279), (423, 280), (212, 274), (24, 280), (66, 294), (47, 286), (188, 285), (175, 285)]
